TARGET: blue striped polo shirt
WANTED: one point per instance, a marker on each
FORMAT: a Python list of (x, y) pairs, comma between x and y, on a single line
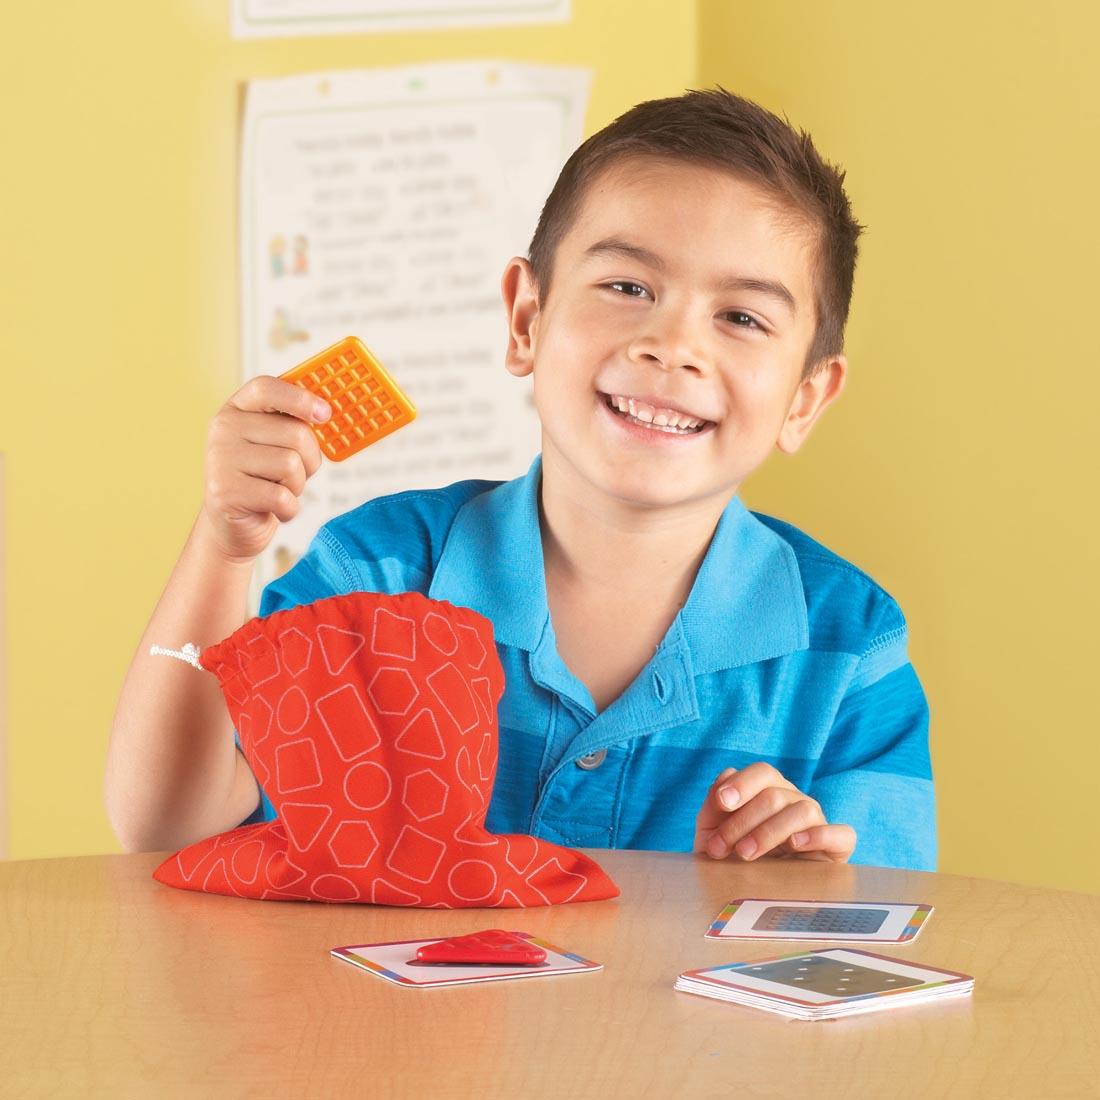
[(784, 652)]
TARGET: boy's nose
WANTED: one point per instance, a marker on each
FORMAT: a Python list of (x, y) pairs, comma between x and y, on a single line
[(672, 345)]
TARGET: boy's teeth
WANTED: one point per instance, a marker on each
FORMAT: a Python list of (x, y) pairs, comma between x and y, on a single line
[(661, 418)]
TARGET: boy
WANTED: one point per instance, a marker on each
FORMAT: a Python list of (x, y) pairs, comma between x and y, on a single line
[(681, 673)]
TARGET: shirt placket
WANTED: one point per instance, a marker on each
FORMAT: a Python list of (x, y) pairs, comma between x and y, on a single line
[(580, 795)]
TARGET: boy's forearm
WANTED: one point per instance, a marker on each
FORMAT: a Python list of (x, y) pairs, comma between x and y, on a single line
[(171, 760)]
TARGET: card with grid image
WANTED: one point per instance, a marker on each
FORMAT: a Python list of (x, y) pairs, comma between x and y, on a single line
[(366, 402), (821, 985), (844, 921)]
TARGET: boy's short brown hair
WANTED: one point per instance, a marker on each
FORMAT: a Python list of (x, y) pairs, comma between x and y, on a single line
[(717, 129)]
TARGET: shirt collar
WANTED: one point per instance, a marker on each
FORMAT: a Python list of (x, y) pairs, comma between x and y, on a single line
[(492, 560), (747, 603)]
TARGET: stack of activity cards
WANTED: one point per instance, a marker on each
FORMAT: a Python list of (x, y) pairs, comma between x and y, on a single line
[(821, 985)]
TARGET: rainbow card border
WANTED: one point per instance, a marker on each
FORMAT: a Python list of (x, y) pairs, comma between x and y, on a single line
[(709, 975), (913, 926), (348, 955)]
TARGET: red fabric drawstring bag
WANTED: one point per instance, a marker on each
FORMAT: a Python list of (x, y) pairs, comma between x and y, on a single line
[(371, 722)]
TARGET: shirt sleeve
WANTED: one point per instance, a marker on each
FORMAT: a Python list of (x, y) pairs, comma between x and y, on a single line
[(875, 772), (324, 570)]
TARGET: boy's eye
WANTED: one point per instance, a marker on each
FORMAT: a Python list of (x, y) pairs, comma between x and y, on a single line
[(735, 313), (636, 290), (630, 293)]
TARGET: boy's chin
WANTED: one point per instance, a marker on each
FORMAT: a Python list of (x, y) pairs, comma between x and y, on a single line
[(661, 493), (643, 486)]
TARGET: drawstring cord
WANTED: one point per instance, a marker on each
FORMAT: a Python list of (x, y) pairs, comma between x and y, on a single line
[(189, 653)]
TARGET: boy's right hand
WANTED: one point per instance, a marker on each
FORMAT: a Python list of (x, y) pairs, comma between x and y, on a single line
[(260, 452)]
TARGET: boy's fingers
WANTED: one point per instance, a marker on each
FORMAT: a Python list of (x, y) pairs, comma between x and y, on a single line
[(798, 815), (733, 789), (748, 821), (833, 842), (711, 813), (741, 788), (267, 394), (256, 496), (279, 464), (272, 431)]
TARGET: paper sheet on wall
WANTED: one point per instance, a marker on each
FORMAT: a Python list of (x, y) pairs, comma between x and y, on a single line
[(270, 18), (385, 204)]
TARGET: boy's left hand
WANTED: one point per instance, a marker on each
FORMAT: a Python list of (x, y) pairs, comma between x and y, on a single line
[(768, 816)]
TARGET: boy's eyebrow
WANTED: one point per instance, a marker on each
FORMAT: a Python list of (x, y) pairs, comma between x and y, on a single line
[(613, 246)]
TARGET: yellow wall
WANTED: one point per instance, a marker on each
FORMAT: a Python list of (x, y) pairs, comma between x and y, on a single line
[(118, 283), (958, 468), (961, 467)]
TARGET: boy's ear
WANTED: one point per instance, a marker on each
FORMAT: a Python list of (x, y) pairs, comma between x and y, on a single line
[(813, 396), (521, 301)]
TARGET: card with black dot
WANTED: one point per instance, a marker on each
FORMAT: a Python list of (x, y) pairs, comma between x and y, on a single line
[(818, 985)]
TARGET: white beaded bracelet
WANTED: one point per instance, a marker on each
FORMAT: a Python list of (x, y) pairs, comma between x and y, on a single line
[(189, 653)]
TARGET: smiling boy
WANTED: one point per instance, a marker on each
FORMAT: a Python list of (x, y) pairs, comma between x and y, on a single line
[(681, 673)]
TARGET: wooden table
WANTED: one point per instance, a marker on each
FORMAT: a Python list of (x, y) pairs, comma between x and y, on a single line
[(114, 985)]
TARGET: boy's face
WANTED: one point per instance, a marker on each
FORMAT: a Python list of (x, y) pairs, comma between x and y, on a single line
[(637, 311)]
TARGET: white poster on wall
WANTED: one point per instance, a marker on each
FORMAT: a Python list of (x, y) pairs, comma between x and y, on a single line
[(384, 204), (281, 18)]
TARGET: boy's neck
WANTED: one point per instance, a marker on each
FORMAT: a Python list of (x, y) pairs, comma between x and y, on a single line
[(614, 549)]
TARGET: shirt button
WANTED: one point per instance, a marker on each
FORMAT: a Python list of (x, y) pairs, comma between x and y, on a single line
[(591, 760)]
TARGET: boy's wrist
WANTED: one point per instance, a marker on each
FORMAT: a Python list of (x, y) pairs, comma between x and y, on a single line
[(205, 542)]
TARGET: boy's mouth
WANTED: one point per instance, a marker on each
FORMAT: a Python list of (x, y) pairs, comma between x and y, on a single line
[(655, 417)]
